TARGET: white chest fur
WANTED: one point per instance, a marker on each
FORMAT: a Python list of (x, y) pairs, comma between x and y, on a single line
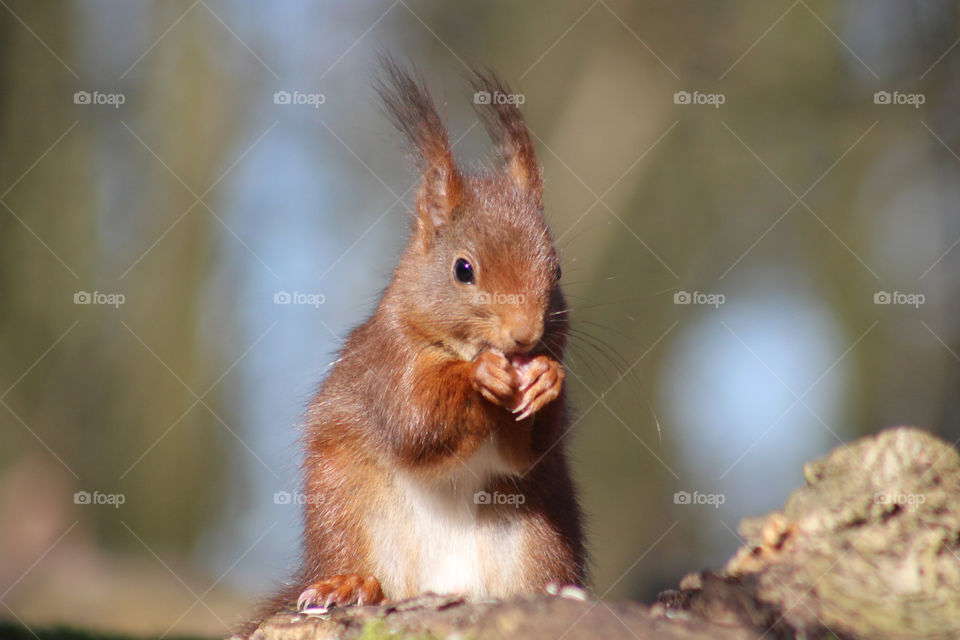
[(433, 538)]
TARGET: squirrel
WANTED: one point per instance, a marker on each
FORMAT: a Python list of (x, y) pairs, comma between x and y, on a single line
[(434, 450)]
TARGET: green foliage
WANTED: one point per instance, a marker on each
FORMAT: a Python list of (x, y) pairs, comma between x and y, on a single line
[(379, 630)]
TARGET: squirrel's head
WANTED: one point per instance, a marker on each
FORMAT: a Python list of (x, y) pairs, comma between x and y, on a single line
[(481, 270)]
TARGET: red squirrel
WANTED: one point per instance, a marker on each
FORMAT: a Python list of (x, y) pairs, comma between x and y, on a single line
[(435, 457)]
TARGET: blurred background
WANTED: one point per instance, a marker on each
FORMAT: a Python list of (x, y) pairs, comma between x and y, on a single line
[(755, 205)]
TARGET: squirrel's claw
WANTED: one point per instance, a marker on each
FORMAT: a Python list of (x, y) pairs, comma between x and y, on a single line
[(541, 384), (306, 598)]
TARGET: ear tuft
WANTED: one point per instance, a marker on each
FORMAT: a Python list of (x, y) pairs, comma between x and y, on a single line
[(408, 104), (504, 122)]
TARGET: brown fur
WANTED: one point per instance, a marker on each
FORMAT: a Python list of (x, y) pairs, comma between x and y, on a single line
[(403, 397)]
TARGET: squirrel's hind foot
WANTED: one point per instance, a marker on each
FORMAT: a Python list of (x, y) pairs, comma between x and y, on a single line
[(341, 591)]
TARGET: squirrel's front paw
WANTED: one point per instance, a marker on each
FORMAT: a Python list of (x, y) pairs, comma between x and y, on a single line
[(540, 382), (342, 591), (495, 379)]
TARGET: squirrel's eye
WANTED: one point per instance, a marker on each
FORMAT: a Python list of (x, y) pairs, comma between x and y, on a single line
[(463, 271), (557, 275)]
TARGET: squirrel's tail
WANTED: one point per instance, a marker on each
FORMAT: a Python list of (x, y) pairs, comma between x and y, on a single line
[(285, 598)]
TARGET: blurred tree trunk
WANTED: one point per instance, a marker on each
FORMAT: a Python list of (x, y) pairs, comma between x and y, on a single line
[(95, 203)]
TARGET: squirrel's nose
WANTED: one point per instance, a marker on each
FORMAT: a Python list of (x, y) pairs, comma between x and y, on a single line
[(525, 335)]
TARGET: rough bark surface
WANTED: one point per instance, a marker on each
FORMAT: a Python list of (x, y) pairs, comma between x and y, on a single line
[(869, 548)]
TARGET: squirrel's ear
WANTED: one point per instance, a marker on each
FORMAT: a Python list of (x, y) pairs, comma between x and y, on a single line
[(409, 106), (501, 116)]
